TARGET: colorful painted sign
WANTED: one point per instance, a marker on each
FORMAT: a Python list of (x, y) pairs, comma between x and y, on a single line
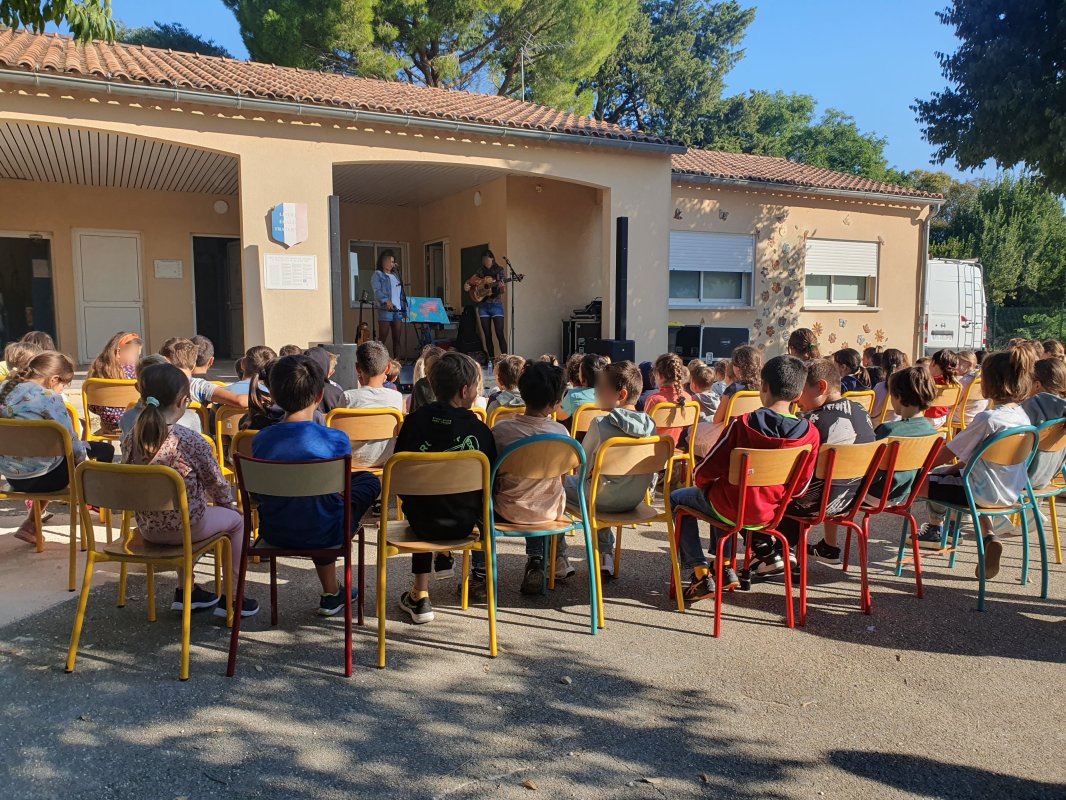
[(288, 223), (426, 309)]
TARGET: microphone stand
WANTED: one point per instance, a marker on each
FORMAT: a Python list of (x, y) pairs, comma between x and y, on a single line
[(516, 278)]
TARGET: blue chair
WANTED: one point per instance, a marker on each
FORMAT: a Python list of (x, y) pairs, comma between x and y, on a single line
[(545, 457), (1017, 446), (1047, 473)]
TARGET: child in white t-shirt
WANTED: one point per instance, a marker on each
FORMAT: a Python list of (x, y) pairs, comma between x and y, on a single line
[(1007, 380), (372, 366)]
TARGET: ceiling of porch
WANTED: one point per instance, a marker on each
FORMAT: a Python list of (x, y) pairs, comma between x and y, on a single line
[(406, 184)]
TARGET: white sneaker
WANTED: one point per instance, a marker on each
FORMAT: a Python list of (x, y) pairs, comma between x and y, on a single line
[(607, 565), (563, 567)]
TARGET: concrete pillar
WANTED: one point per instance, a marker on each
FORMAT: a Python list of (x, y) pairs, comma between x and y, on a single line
[(285, 172)]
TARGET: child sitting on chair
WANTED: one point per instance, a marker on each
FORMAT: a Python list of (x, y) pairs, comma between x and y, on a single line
[(371, 365), (296, 384), (507, 394), (183, 354), (205, 355), (584, 391), (773, 427), (16, 356), (618, 390), (527, 501), (117, 361), (445, 425), (248, 366)]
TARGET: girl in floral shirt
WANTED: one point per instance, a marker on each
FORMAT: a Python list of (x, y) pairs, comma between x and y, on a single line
[(35, 392), (117, 361), (157, 440)]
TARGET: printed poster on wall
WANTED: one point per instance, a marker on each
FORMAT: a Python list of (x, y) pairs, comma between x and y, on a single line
[(288, 223), (290, 272)]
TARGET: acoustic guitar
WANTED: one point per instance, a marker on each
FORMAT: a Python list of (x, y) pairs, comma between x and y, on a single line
[(478, 288)]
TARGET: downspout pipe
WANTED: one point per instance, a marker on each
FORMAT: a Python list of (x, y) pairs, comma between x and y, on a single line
[(923, 286)]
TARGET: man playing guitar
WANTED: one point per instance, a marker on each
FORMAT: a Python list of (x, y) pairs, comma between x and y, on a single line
[(487, 287)]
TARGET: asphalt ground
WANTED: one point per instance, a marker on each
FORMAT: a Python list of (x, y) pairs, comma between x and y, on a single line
[(924, 698)]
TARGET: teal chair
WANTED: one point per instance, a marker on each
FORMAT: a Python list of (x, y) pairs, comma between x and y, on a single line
[(1014, 447), (544, 457)]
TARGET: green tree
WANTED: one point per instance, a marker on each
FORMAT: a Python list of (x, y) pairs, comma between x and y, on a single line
[(87, 19), (1006, 101), (667, 73), (458, 44), (171, 36)]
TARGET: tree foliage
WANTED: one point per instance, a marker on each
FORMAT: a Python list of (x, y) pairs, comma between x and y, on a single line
[(171, 36), (1006, 101), (668, 72), (87, 19), (1014, 225), (459, 44)]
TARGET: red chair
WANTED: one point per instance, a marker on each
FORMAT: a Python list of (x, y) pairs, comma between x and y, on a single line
[(841, 462), (295, 479), (748, 469), (912, 454)]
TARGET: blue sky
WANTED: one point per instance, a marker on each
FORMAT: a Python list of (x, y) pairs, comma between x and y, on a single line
[(868, 58)]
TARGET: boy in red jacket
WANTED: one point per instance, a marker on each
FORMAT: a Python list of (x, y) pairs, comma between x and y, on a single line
[(772, 427)]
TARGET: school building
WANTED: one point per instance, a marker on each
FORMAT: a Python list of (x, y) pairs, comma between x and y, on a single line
[(172, 194)]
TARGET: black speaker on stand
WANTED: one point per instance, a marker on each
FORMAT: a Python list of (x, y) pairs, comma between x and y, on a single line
[(619, 348)]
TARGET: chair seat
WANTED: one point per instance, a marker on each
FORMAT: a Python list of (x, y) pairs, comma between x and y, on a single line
[(642, 513), (261, 547), (139, 550), (1051, 490), (998, 508), (403, 539), (62, 494), (560, 525)]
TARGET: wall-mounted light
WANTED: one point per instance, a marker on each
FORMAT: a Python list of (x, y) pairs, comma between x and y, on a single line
[(221, 206), (539, 187), (477, 199)]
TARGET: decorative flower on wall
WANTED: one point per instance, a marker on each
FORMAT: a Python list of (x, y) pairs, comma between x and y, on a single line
[(844, 345), (782, 321), (765, 295), (762, 346), (860, 339), (817, 328), (757, 323), (787, 290), (842, 322), (786, 248), (776, 287), (865, 328), (832, 338), (770, 330), (880, 336)]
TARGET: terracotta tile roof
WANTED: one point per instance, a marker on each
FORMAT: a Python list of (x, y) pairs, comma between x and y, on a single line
[(139, 65), (769, 169)]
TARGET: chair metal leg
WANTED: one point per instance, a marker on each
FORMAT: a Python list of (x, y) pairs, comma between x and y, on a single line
[(149, 582), (675, 566), (348, 609), (79, 617), (490, 580), (1025, 546), (790, 612), (1053, 512), (273, 591), (955, 522), (235, 631), (547, 578), (186, 622), (865, 601), (802, 560), (617, 551), (123, 573), (226, 557), (218, 572), (719, 567), (362, 574), (980, 563), (902, 547), (382, 574), (1041, 535), (464, 592), (72, 568), (38, 525), (910, 521), (846, 557)]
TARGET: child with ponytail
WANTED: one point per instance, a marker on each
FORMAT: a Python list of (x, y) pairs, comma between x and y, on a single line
[(1007, 380), (157, 439), (892, 361), (944, 366), (803, 344), (853, 375), (670, 375), (35, 392)]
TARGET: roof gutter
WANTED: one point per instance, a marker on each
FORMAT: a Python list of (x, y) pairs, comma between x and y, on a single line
[(242, 102), (854, 194)]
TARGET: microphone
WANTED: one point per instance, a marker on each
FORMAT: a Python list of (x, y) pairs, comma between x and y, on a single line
[(364, 297)]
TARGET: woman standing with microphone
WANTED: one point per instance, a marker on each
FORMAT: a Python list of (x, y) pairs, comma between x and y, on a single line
[(389, 299)]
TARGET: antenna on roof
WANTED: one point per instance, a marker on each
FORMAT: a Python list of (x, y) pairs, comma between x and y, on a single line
[(529, 47)]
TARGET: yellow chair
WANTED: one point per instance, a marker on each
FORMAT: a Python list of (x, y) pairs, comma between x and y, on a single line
[(583, 419), (20, 438), (414, 474), (480, 413), (107, 393), (628, 457), (227, 425), (865, 398), (134, 489), (75, 419), (502, 411), (366, 425), (947, 396), (742, 403), (667, 416), (958, 421), (241, 443)]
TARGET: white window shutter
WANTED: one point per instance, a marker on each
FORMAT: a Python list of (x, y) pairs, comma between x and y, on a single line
[(701, 251), (835, 257)]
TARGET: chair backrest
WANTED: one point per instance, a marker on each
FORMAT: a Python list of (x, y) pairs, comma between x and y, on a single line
[(948, 396), (479, 412), (541, 457), (292, 478), (130, 487), (841, 462), (366, 424), (1007, 448), (25, 438), (913, 451), (672, 415), (742, 403), (435, 473), (865, 398), (227, 422), (75, 419), (585, 416), (973, 391), (109, 393), (624, 456), (1052, 436), (501, 411), (755, 467), (241, 444)]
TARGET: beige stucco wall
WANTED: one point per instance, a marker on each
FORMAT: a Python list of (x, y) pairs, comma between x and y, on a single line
[(166, 222), (782, 222), (290, 159)]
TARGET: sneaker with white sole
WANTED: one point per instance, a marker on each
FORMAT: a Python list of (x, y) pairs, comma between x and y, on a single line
[(420, 611), (201, 599), (563, 567), (249, 609), (930, 535), (443, 566), (765, 566), (823, 552), (533, 580), (607, 566), (331, 604)]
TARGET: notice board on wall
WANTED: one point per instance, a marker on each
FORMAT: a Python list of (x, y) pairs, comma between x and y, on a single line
[(292, 272)]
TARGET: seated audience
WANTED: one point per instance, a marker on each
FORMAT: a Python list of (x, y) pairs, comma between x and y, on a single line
[(248, 366), (584, 392), (506, 370), (117, 361), (205, 355), (853, 375), (371, 365)]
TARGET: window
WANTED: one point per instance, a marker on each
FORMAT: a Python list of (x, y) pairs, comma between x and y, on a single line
[(362, 261), (711, 269), (840, 273)]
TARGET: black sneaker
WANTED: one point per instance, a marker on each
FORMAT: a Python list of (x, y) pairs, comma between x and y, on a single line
[(930, 535), (249, 609), (477, 592), (765, 566), (533, 580), (420, 611), (201, 599), (993, 552), (730, 579), (330, 604), (699, 588), (823, 552), (443, 566)]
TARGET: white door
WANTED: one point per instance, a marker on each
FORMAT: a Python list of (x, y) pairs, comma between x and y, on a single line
[(108, 287)]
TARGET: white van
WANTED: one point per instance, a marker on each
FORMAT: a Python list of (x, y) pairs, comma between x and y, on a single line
[(955, 305)]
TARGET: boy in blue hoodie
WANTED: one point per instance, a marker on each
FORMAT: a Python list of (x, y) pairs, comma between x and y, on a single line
[(618, 388)]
